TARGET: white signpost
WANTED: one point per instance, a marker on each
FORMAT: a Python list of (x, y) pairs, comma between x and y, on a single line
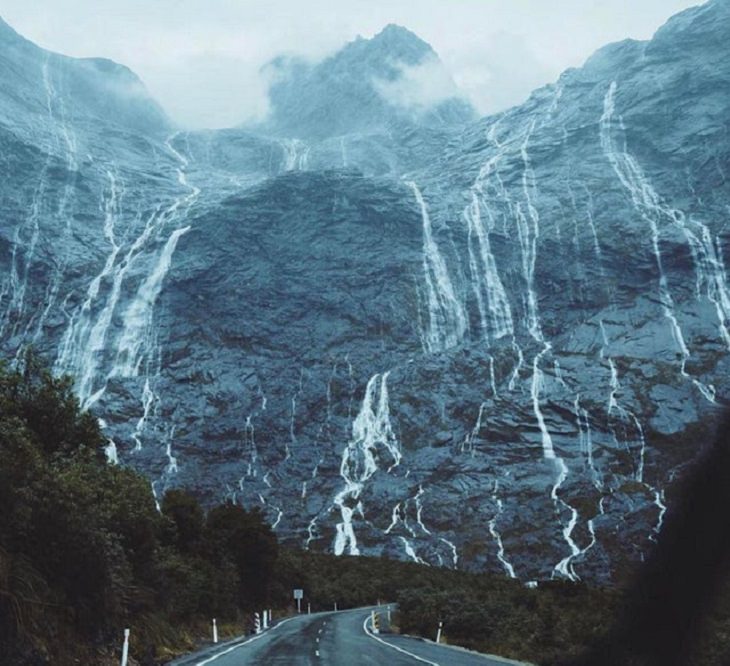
[(215, 631), (438, 633), (299, 595)]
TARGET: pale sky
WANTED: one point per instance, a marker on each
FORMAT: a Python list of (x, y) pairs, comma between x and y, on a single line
[(201, 58)]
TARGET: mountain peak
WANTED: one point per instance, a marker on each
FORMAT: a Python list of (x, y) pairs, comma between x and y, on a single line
[(366, 85), (401, 40)]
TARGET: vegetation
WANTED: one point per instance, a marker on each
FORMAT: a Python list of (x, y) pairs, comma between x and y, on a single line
[(85, 552)]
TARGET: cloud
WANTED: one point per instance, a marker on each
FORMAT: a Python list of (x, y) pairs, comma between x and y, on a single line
[(419, 87), (201, 59), (501, 72)]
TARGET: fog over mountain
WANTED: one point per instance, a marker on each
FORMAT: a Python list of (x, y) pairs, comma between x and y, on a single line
[(397, 326), (203, 60)]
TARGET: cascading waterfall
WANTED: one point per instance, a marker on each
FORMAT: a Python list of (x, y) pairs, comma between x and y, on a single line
[(371, 429), (528, 232), (84, 340), (137, 321), (565, 566), (509, 569), (494, 309), (135, 339), (27, 234), (626, 415), (538, 381), (67, 145), (585, 440), (447, 320), (709, 269), (296, 154)]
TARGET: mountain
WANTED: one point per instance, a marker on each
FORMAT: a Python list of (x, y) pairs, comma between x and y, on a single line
[(369, 85), (81, 91), (484, 343)]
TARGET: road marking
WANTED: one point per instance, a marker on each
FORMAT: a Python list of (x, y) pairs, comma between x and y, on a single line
[(395, 647), (316, 653), (318, 640), (238, 645)]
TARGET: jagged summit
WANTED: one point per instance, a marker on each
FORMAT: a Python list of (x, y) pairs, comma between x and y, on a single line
[(367, 85), (396, 42)]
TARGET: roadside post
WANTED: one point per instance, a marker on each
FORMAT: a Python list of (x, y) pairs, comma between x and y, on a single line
[(257, 623), (335, 606), (215, 631), (438, 633), (299, 595), (375, 622), (266, 619), (309, 608), (388, 614), (125, 648)]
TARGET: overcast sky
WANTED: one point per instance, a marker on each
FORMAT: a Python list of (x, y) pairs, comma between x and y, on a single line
[(201, 58)]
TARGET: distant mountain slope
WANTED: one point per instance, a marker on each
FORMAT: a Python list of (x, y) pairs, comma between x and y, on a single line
[(489, 344), (90, 89)]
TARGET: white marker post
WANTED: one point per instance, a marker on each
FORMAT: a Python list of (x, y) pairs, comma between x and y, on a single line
[(125, 648), (438, 633), (257, 623), (215, 631), (335, 606), (270, 616), (374, 622), (388, 614), (266, 619), (309, 608)]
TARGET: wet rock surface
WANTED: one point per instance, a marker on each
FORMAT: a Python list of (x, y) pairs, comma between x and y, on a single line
[(489, 344)]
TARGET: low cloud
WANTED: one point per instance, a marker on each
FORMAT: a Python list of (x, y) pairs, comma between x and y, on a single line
[(202, 60), (500, 71), (419, 87)]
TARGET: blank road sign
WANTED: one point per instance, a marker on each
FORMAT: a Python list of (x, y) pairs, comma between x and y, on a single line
[(299, 594)]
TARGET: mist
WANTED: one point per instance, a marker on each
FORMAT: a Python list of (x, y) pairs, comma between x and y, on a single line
[(203, 60)]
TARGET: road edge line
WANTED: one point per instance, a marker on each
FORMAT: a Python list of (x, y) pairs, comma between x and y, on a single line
[(246, 642), (394, 647), (474, 653)]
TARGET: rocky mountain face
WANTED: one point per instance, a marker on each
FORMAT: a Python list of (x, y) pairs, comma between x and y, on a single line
[(491, 344)]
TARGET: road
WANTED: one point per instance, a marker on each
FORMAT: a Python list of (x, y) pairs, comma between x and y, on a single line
[(334, 639)]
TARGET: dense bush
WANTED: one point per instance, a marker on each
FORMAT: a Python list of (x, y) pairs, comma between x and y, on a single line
[(83, 550)]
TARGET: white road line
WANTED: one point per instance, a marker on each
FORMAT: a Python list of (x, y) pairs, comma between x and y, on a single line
[(394, 647), (238, 645)]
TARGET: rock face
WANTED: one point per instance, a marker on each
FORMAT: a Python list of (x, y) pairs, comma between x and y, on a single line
[(490, 344)]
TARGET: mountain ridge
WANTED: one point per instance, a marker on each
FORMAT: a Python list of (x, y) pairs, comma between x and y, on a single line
[(486, 344)]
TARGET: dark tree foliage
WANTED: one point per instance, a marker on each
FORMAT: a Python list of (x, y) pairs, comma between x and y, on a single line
[(83, 550), (243, 537)]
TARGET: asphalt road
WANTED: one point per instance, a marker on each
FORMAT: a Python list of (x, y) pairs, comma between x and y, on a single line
[(334, 639)]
